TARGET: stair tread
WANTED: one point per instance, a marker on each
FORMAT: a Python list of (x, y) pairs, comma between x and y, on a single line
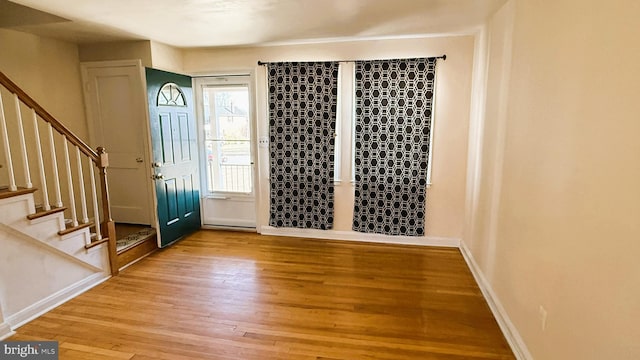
[(5, 193), (40, 212), (95, 243), (71, 228)]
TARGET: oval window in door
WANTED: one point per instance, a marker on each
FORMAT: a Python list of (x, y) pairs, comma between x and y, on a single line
[(171, 95)]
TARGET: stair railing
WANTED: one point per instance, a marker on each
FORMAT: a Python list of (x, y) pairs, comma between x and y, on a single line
[(51, 183)]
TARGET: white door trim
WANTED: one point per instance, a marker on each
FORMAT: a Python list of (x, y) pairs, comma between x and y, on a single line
[(248, 78)]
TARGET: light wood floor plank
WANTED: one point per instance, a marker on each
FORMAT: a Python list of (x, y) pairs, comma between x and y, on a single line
[(224, 295)]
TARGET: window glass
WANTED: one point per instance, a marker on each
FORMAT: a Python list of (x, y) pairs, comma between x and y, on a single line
[(227, 139)]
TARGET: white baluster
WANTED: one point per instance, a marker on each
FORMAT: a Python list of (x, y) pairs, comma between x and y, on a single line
[(7, 148), (54, 164), (83, 196), (23, 144), (96, 213), (45, 192), (72, 197)]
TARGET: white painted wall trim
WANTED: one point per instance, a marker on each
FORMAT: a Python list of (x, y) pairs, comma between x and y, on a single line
[(509, 330), (24, 316), (42, 245), (251, 229), (228, 223), (362, 237), (5, 331)]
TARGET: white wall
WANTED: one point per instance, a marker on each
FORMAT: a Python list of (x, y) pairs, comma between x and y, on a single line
[(30, 274), (166, 57), (119, 50), (445, 198), (151, 53), (554, 211), (49, 71)]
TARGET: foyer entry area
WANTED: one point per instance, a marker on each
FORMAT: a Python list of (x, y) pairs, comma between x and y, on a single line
[(226, 295), (134, 242)]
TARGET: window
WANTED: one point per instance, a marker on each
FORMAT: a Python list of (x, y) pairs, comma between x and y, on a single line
[(171, 95), (344, 160), (227, 133)]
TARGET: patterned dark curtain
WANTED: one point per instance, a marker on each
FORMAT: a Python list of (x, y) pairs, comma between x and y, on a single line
[(302, 122), (393, 112)]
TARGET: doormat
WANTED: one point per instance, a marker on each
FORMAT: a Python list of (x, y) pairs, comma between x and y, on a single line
[(132, 240)]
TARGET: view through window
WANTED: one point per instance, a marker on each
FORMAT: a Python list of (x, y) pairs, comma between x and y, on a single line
[(227, 139)]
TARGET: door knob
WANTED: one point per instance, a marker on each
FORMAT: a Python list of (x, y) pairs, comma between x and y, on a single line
[(156, 164), (158, 177), (139, 160)]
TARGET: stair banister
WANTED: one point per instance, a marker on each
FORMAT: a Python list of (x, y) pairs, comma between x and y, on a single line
[(7, 147), (72, 197), (54, 162), (83, 195), (94, 197), (99, 158), (43, 177), (109, 224), (23, 143)]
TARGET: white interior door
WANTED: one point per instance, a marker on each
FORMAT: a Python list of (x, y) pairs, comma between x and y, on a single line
[(116, 111), (225, 117)]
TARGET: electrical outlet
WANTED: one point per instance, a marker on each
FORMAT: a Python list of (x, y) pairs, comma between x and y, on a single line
[(543, 317), (263, 142)]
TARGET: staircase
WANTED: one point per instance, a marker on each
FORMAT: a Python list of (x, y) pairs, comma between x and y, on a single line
[(57, 237)]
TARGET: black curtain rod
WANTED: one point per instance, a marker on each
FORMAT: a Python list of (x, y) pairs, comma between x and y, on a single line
[(443, 57)]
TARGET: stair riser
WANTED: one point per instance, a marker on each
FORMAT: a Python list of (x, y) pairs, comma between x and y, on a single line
[(45, 229), (16, 209)]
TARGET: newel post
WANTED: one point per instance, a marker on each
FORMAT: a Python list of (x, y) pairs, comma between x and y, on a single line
[(108, 227)]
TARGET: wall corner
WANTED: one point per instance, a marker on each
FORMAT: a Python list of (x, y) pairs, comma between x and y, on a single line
[(510, 332)]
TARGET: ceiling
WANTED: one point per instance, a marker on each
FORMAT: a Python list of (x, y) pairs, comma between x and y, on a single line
[(207, 23)]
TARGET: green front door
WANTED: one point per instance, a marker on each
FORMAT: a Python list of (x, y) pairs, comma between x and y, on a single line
[(175, 154)]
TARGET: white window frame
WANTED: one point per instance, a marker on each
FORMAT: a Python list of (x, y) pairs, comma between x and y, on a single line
[(345, 119), (432, 124), (239, 80)]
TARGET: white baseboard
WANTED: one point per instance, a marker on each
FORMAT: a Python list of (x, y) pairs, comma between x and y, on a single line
[(362, 237), (233, 223), (31, 312), (509, 330), (5, 331), (230, 228)]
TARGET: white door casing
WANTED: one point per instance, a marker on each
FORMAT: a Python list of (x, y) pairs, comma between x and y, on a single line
[(227, 209), (116, 105)]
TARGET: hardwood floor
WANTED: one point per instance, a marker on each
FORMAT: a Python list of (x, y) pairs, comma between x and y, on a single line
[(225, 295), (137, 251)]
